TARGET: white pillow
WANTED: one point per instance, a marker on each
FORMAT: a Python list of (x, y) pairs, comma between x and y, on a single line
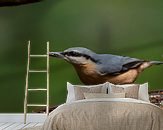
[(71, 90), (71, 93), (142, 94)]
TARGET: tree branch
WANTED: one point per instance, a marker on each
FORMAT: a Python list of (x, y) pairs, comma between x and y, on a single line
[(16, 2)]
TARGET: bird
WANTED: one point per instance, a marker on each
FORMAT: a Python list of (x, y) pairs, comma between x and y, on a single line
[(93, 68)]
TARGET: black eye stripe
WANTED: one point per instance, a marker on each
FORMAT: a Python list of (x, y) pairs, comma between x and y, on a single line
[(72, 53), (86, 56), (77, 54)]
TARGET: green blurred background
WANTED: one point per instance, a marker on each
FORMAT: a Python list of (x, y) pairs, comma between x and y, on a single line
[(131, 28)]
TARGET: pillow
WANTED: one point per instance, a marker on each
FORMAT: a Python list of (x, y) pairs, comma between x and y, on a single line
[(101, 95), (131, 92), (142, 92), (76, 92)]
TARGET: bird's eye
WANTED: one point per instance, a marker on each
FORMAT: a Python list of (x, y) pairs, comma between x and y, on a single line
[(72, 53), (67, 53)]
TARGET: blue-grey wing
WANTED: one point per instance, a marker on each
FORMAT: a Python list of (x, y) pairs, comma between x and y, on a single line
[(114, 65)]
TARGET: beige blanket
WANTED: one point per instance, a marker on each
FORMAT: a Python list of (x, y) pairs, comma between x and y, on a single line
[(106, 114)]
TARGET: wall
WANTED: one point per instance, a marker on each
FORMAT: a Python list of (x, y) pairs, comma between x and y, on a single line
[(131, 28)]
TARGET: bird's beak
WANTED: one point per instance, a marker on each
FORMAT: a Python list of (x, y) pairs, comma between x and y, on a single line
[(56, 54)]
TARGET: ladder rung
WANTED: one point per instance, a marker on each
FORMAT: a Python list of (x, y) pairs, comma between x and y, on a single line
[(38, 89), (38, 55), (38, 71), (36, 105)]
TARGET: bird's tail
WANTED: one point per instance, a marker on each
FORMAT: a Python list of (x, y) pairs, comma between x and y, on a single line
[(156, 62), (148, 64)]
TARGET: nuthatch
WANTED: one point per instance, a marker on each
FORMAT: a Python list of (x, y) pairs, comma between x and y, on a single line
[(95, 68)]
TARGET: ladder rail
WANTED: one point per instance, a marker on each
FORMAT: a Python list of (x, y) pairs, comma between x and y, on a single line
[(26, 86), (47, 107)]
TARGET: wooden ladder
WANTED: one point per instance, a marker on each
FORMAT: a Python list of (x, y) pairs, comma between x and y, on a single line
[(36, 89)]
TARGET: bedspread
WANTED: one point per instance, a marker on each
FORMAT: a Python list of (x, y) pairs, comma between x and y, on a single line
[(106, 114)]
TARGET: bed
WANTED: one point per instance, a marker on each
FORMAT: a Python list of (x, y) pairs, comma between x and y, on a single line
[(105, 114)]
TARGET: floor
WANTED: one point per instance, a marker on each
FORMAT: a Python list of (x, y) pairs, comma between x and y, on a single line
[(14, 121), (17, 126)]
